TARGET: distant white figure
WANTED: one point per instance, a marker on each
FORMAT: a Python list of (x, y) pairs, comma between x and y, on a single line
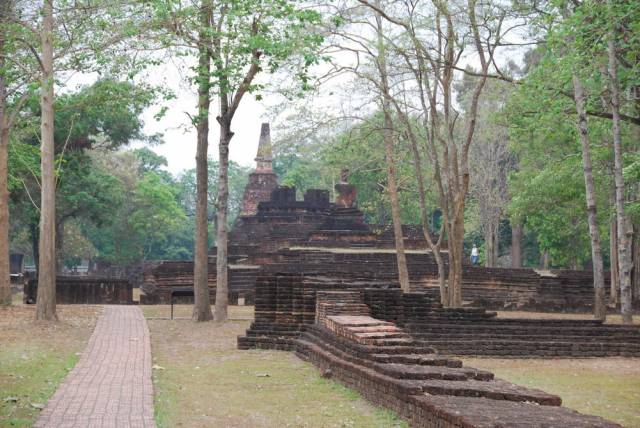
[(474, 255)]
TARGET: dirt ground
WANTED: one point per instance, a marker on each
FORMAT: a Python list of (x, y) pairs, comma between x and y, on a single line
[(202, 380), (35, 357)]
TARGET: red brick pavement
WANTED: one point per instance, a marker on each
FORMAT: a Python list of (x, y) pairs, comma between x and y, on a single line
[(111, 384)]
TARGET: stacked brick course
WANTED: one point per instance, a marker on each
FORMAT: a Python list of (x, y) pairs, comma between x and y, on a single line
[(85, 290), (392, 369)]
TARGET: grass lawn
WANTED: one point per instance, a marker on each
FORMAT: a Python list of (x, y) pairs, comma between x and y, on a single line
[(36, 356), (607, 387), (201, 380), (611, 318)]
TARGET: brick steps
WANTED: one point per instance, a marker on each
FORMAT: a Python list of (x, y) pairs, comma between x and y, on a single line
[(418, 372), (496, 390), (434, 395)]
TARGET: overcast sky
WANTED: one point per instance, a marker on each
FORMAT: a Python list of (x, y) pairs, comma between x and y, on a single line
[(180, 136)]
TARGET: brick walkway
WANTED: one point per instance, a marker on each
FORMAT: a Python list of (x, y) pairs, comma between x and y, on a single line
[(111, 384)]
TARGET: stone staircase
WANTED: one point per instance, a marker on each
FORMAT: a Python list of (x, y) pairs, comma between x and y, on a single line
[(392, 368)]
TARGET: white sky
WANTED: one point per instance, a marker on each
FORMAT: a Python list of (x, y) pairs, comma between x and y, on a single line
[(180, 136)]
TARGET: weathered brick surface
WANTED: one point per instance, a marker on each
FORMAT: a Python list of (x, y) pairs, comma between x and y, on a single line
[(111, 384)]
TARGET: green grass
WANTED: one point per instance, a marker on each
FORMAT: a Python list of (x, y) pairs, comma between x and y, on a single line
[(607, 387), (30, 375), (36, 356), (206, 381)]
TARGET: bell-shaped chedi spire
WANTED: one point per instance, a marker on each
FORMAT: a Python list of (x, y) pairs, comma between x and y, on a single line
[(263, 180), (264, 157)]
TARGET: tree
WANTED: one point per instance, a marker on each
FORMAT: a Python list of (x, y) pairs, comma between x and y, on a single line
[(490, 163), (237, 40), (82, 42), (432, 59), (46, 298), (623, 227), (600, 309), (202, 304), (14, 76), (388, 133), (579, 41)]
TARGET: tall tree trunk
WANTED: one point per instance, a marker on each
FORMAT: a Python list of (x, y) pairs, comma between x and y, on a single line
[(34, 234), (5, 272), (624, 244), (456, 257), (46, 298), (544, 260), (424, 217), (491, 245), (222, 234), (635, 277), (516, 245), (599, 306), (392, 185), (201, 296), (613, 251), (59, 245)]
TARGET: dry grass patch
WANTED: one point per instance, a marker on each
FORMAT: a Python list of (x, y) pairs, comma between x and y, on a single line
[(607, 387), (202, 380), (36, 356)]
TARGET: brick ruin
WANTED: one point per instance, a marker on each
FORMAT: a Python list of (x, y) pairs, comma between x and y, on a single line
[(348, 334), (87, 290), (324, 285), (273, 219)]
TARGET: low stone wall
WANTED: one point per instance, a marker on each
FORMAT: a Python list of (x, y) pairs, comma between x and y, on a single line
[(85, 290), (286, 303), (390, 368), (161, 276)]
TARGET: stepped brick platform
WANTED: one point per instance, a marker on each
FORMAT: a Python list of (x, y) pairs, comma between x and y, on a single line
[(276, 227), (86, 290), (285, 305), (528, 338), (394, 370)]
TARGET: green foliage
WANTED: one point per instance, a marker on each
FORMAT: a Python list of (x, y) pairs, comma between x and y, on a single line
[(317, 164), (548, 190), (265, 33)]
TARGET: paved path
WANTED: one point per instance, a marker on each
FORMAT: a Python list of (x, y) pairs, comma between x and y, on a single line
[(111, 384)]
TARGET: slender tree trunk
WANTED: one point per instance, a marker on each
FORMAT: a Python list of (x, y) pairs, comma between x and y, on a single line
[(613, 251), (202, 299), (456, 257), (424, 217), (34, 234), (59, 245), (516, 246), (5, 272), (544, 260), (491, 245), (600, 304), (624, 244), (46, 298), (635, 277), (392, 185), (222, 233)]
